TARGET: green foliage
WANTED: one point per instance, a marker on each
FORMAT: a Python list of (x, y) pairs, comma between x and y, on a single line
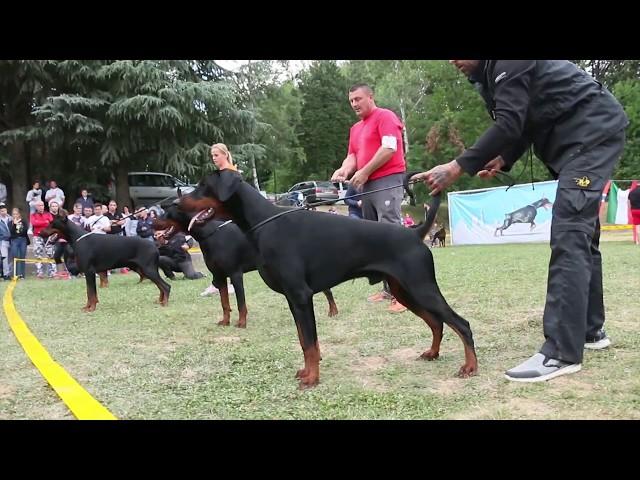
[(325, 119), (133, 114), (628, 92), (96, 117)]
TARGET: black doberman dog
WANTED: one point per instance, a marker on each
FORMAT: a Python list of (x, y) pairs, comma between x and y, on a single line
[(98, 253), (226, 252), (306, 252), (523, 215), (439, 237)]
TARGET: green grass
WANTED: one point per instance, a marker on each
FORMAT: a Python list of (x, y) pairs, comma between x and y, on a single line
[(143, 361)]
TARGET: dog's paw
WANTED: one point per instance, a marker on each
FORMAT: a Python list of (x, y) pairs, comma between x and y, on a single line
[(308, 382), (429, 355), (467, 371), (241, 324), (224, 323)]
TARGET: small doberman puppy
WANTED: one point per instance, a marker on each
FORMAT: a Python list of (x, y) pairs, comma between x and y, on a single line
[(439, 237), (98, 253), (227, 254), (306, 252), (523, 215)]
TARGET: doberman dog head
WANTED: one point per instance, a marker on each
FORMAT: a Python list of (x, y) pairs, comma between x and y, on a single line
[(211, 193), (173, 221), (544, 203), (56, 229), (177, 220)]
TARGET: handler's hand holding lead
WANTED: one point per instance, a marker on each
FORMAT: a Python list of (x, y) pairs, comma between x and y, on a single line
[(339, 176), (443, 176), (419, 177), (491, 168), (358, 180)]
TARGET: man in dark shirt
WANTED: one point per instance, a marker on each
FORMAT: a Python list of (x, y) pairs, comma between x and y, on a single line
[(115, 218), (175, 257), (576, 127)]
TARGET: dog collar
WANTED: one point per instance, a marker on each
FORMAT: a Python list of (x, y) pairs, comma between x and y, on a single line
[(215, 230), (86, 234)]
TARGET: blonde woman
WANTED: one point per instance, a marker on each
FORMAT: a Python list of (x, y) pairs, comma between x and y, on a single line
[(221, 157)]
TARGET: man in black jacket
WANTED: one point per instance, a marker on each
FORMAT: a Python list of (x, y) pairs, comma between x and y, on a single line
[(175, 257), (576, 127)]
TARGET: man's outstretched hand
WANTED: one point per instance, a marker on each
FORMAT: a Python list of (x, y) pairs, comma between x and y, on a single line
[(440, 177)]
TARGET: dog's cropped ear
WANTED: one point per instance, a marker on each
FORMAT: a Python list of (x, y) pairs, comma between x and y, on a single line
[(227, 183)]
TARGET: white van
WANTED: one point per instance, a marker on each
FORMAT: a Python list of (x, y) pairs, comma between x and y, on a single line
[(147, 188)]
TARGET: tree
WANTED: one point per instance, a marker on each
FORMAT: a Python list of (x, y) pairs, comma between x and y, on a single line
[(628, 93), (280, 113), (325, 119), (22, 84), (253, 83), (610, 72), (122, 115)]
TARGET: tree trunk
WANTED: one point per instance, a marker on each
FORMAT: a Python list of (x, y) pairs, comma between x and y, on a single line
[(254, 172), (122, 186), (19, 182), (396, 67), (404, 128)]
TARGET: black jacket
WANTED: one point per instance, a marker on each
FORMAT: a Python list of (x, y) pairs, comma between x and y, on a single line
[(20, 230), (173, 248), (552, 104), (145, 229), (115, 229), (634, 198)]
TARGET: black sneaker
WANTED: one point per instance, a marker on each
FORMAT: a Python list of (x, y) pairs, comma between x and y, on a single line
[(598, 341)]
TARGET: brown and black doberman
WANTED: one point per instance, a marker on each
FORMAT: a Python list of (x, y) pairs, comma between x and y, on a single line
[(307, 252), (98, 253), (226, 252)]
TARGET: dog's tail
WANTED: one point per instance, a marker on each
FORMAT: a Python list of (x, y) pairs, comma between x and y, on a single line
[(430, 213), (429, 217)]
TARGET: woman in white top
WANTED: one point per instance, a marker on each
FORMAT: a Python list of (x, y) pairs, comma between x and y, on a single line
[(34, 196)]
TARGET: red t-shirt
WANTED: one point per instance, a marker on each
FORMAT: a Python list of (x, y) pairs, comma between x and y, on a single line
[(365, 138), (39, 221)]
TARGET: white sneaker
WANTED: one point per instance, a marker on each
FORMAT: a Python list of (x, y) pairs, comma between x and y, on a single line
[(540, 368), (210, 290), (598, 342)]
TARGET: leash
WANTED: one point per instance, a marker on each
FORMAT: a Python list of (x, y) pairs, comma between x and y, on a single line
[(327, 202), (128, 215), (510, 183)]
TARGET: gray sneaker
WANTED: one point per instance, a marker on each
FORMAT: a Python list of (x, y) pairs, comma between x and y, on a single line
[(540, 368), (599, 341)]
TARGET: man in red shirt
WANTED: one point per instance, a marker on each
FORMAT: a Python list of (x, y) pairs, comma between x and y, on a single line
[(376, 160), (39, 220)]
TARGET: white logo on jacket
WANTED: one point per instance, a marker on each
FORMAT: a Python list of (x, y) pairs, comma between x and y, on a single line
[(501, 76)]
